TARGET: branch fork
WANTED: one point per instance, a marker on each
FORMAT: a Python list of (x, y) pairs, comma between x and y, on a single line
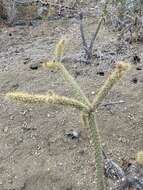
[(88, 48)]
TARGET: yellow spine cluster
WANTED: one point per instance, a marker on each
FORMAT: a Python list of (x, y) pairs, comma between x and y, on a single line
[(51, 65), (139, 157), (59, 51)]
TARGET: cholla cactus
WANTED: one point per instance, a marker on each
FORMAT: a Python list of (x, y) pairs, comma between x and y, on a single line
[(139, 157), (80, 102)]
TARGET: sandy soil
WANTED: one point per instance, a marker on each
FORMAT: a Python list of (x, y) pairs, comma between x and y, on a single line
[(35, 154)]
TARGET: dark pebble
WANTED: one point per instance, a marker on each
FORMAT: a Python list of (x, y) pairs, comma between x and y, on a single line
[(81, 152), (136, 59), (101, 73), (112, 53), (73, 135), (138, 68), (69, 188), (17, 51), (26, 60), (34, 66), (15, 86), (10, 34), (77, 73), (135, 80)]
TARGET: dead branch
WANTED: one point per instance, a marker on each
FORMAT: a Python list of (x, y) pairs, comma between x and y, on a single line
[(122, 180), (112, 103), (95, 34), (85, 46), (88, 48)]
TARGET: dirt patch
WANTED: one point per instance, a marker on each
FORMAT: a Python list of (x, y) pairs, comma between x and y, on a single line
[(34, 151)]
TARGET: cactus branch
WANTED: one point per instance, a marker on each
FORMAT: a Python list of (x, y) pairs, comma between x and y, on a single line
[(50, 98), (139, 157), (109, 83), (84, 120), (68, 77), (59, 50)]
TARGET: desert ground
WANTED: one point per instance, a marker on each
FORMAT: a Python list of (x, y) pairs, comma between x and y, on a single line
[(35, 153)]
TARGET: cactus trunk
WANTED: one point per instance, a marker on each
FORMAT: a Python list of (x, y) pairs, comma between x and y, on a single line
[(95, 136)]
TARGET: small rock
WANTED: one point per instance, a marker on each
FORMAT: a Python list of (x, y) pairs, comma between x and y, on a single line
[(101, 73), (26, 60), (26, 128), (37, 153), (1, 182), (38, 147), (93, 93), (135, 80), (76, 134), (103, 144), (5, 130), (81, 152), (130, 117), (60, 164), (48, 115), (10, 34), (136, 59), (14, 86), (34, 66), (77, 73), (73, 135), (69, 188), (12, 117), (10, 180), (120, 139), (138, 68), (17, 51)]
